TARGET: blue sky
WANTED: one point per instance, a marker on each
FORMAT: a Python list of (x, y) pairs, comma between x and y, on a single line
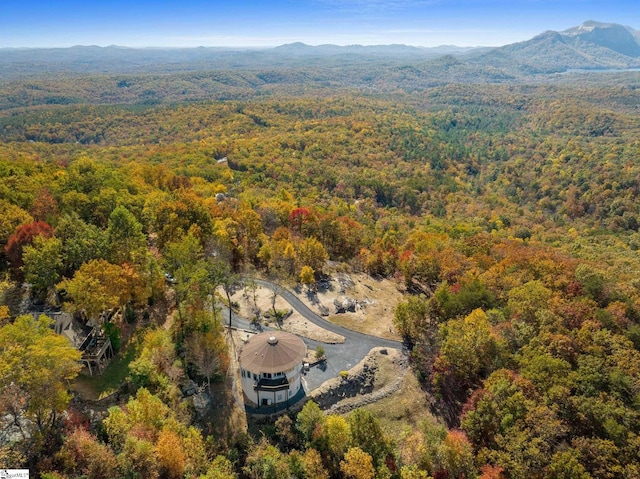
[(191, 23)]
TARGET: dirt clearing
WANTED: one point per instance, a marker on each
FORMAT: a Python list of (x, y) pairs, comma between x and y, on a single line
[(357, 302), (259, 301)]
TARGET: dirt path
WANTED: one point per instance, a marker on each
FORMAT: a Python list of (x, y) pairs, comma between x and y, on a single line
[(168, 322)]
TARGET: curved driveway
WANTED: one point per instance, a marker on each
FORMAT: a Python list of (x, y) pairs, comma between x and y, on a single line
[(340, 357), (349, 334)]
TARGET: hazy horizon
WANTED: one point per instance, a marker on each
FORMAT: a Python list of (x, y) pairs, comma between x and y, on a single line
[(259, 24)]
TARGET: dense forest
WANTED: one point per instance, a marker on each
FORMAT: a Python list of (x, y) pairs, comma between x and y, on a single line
[(507, 214)]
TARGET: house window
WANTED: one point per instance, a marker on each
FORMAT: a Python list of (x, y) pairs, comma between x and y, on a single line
[(279, 397), (255, 378)]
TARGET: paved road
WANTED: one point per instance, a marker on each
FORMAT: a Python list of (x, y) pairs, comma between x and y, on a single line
[(340, 357), (304, 310)]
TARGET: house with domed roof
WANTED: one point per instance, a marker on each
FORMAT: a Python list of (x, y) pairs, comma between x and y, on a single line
[(271, 368)]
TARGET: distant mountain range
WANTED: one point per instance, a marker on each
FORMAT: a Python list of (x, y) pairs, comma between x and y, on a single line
[(590, 46), (115, 59), (390, 51)]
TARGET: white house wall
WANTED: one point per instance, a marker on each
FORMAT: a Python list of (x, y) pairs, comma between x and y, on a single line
[(293, 377)]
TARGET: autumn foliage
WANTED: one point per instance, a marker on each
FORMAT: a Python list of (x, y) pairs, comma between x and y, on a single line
[(507, 215), (23, 236)]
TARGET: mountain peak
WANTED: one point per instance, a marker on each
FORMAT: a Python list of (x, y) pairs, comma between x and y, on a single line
[(295, 46), (592, 45), (620, 39)]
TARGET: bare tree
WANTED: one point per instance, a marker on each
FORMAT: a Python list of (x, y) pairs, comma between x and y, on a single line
[(204, 352), (276, 290)]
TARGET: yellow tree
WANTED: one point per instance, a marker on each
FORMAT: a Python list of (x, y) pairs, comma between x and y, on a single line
[(155, 366), (151, 440), (307, 276), (220, 468), (171, 455), (96, 287), (287, 256), (337, 434), (136, 284), (357, 464), (10, 219), (470, 351), (249, 232), (35, 367), (311, 253), (312, 464), (144, 416), (456, 455)]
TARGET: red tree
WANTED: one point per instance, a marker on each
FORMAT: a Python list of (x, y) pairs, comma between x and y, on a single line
[(21, 237), (297, 217)]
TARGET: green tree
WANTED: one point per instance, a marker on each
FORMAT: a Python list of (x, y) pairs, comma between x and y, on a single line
[(266, 462), (592, 282), (127, 243), (525, 301), (184, 262), (470, 295), (145, 413), (156, 366), (411, 318), (220, 468), (565, 465), (81, 242), (469, 352), (456, 455), (23, 236), (309, 420), (138, 459), (367, 435), (42, 263)]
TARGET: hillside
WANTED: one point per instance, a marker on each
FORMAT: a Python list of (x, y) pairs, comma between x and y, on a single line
[(590, 46), (484, 211)]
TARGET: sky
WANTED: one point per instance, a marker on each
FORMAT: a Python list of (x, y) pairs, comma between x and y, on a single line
[(264, 23)]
